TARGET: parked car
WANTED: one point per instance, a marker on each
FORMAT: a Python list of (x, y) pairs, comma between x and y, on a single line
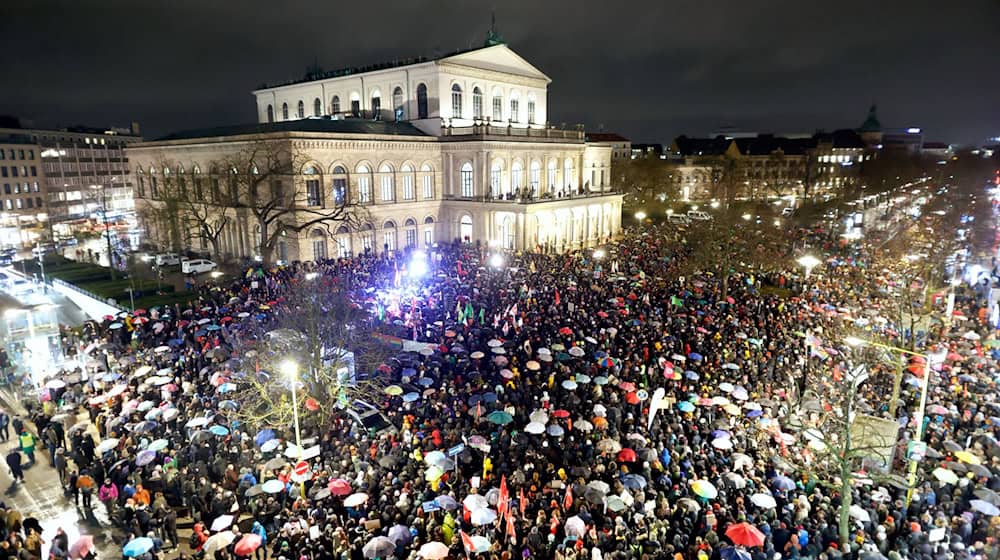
[(167, 259), (42, 249), (787, 211), (698, 215), (197, 266), (679, 219)]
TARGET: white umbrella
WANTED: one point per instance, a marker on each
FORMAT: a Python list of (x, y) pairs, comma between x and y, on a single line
[(356, 499), (142, 371), (107, 445), (535, 428), (726, 387), (583, 426), (218, 541), (221, 522), (483, 516), (860, 513), (722, 443), (599, 485), (476, 501), (55, 384), (539, 416), (765, 501), (433, 550), (575, 527), (741, 459), (197, 422)]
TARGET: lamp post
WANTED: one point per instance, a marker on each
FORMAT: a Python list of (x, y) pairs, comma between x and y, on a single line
[(921, 408), (640, 216), (291, 370)]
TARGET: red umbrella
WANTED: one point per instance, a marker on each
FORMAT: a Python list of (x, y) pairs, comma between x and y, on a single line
[(627, 386), (626, 455), (954, 356), (602, 314), (561, 413), (745, 534), (632, 397), (566, 331), (312, 404), (139, 312), (245, 546), (339, 487)]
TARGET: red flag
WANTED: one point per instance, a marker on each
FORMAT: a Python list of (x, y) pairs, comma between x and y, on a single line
[(568, 500), (557, 297), (467, 541), (504, 497), (479, 409), (522, 504), (511, 531)]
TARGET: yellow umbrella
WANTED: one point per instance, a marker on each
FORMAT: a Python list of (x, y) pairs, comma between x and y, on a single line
[(966, 457), (394, 390), (705, 489), (433, 473), (945, 475)]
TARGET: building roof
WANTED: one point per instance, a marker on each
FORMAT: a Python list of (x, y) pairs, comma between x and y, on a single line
[(936, 146), (687, 146), (766, 144), (344, 126), (871, 124), (605, 137), (843, 138)]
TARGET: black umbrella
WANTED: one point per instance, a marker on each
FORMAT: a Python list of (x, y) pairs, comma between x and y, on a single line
[(255, 490), (275, 464), (201, 436), (951, 446)]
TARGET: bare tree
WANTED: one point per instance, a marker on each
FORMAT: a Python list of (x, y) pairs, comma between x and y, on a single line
[(728, 172), (330, 340)]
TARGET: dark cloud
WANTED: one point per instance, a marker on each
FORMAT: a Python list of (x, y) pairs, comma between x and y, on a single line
[(650, 70)]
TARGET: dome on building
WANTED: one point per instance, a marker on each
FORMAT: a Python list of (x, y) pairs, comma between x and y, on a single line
[(871, 124)]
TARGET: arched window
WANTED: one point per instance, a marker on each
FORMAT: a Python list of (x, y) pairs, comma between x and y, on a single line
[(339, 186), (389, 236), (535, 177), (427, 181), (497, 105), (507, 232), (515, 103), (465, 228), (301, 113), (314, 190), (142, 183), (568, 173), (270, 113), (355, 104), (368, 237), (335, 105), (317, 107), (409, 188), (397, 103), (531, 108), (516, 177), (428, 231), (385, 180), (376, 103), (466, 180), (410, 231), (477, 103), (550, 175), (456, 101), (496, 179), (364, 184), (318, 237), (284, 111), (422, 101)]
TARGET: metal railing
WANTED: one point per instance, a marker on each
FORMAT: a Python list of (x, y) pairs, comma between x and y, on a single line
[(530, 198), (88, 293), (488, 129)]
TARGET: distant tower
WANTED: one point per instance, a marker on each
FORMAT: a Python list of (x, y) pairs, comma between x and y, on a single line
[(871, 130), (493, 37)]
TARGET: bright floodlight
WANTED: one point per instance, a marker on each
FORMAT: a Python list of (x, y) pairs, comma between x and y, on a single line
[(496, 261), (670, 211), (808, 261), (290, 368), (312, 275), (854, 341), (418, 265), (714, 204), (599, 254), (747, 217), (216, 274), (640, 215)]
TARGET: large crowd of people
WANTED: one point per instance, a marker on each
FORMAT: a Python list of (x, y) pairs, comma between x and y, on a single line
[(606, 404)]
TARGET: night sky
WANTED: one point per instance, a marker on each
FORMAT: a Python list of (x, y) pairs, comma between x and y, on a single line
[(649, 70)]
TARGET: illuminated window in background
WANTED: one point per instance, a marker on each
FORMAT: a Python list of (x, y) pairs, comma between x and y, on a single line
[(335, 105), (477, 103), (497, 105), (466, 180), (456, 101)]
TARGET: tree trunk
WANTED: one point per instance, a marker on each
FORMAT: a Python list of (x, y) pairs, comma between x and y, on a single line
[(846, 497)]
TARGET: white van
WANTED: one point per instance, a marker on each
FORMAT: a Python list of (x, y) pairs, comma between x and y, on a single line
[(167, 259), (698, 215), (197, 266), (678, 219)]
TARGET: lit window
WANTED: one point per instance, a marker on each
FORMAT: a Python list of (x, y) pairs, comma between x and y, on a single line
[(397, 103), (376, 103), (302, 110), (496, 179), (364, 185), (477, 103), (409, 192), (515, 102), (284, 111), (466, 180), (531, 110), (456, 101), (497, 106), (335, 105), (427, 180)]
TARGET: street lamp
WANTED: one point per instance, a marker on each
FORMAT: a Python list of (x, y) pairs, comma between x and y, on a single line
[(808, 262), (640, 215), (599, 254), (496, 261), (291, 370), (924, 386)]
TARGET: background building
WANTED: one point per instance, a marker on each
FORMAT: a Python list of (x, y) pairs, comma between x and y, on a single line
[(621, 147), (80, 168), (23, 217), (455, 148)]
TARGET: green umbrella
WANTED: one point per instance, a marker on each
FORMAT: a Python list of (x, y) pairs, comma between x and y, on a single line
[(500, 417)]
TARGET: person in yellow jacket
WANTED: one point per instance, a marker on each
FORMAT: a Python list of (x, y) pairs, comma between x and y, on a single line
[(448, 527), (487, 468)]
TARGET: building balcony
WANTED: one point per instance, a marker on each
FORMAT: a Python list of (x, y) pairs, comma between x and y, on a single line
[(486, 130), (530, 198)]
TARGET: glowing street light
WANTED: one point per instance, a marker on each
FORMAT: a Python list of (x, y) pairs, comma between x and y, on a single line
[(312, 275), (496, 261), (808, 262), (640, 215), (418, 265), (714, 204), (747, 217), (599, 254), (290, 369)]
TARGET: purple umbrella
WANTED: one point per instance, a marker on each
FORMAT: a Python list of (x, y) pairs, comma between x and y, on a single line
[(145, 457)]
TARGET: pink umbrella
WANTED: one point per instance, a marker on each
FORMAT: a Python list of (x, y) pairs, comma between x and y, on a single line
[(247, 545), (82, 546), (339, 487)]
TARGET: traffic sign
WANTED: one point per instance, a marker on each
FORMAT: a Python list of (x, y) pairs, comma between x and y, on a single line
[(301, 468)]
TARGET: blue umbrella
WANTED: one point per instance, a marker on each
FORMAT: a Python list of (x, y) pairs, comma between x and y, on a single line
[(264, 436), (408, 372), (145, 457), (692, 375), (228, 405), (212, 328), (783, 483), (226, 387), (685, 406), (445, 501), (733, 553), (720, 433), (694, 356), (634, 481), (410, 397), (145, 426), (474, 400), (175, 342), (554, 430), (490, 397), (425, 381), (200, 332), (137, 547), (754, 413), (218, 430)]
